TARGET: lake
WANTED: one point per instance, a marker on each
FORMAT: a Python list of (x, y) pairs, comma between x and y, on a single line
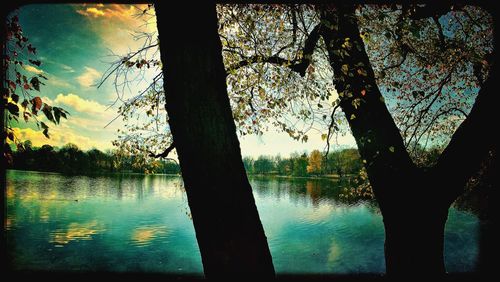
[(141, 223)]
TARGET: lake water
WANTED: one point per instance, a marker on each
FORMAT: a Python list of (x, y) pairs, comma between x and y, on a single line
[(141, 224)]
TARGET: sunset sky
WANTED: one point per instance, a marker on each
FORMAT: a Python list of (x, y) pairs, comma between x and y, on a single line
[(74, 43)]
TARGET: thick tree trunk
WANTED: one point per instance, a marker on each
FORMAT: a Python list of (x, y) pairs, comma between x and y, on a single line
[(415, 239), (414, 221), (228, 229)]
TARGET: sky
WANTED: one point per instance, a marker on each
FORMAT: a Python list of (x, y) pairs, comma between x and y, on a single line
[(74, 43)]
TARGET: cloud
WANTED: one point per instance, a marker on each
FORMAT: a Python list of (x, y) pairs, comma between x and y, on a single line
[(47, 100), (57, 82), (116, 24), (89, 77), (80, 104), (67, 68), (53, 80), (33, 69), (91, 12), (59, 137), (116, 11), (94, 125)]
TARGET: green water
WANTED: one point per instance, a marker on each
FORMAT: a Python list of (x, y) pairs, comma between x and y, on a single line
[(141, 223)]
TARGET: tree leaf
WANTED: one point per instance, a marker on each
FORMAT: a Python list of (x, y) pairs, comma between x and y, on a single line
[(47, 110), (36, 83), (362, 72), (46, 132), (12, 85), (10, 135), (345, 68), (35, 62), (356, 103), (262, 93), (57, 114), (15, 98), (24, 104), (37, 104), (13, 109), (44, 126), (26, 116)]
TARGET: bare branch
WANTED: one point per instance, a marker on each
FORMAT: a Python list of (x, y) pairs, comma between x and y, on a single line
[(396, 65), (128, 57), (165, 153), (440, 31), (330, 131), (297, 65)]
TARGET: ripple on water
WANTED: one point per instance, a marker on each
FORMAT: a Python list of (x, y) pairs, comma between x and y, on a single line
[(75, 232), (143, 236)]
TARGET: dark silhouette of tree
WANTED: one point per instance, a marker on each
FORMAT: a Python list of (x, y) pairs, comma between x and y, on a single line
[(432, 99), (228, 229)]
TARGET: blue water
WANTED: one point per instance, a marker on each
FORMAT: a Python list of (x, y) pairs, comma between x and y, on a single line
[(142, 223)]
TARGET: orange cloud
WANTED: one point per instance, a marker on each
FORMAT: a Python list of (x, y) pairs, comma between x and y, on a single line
[(116, 24), (91, 12), (117, 11)]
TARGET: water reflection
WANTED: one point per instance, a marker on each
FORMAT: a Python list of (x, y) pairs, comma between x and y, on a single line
[(145, 235), (141, 223), (334, 253), (75, 232), (305, 191)]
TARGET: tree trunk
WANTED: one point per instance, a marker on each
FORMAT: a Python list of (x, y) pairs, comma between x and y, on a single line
[(414, 235), (228, 229), (414, 221)]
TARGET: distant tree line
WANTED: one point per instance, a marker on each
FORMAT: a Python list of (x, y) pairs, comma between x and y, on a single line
[(341, 163), (70, 159)]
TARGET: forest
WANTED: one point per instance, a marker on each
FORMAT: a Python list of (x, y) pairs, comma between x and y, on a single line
[(69, 159)]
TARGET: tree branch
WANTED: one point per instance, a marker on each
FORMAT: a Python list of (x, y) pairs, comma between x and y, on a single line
[(297, 65), (165, 153), (396, 65), (436, 9), (435, 18), (470, 143), (330, 127)]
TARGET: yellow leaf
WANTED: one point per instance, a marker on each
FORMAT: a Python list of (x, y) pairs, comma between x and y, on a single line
[(362, 72), (345, 68), (262, 93), (323, 136), (356, 103), (391, 149), (353, 116)]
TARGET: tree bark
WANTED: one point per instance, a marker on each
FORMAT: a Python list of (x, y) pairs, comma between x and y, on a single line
[(414, 221), (228, 229)]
